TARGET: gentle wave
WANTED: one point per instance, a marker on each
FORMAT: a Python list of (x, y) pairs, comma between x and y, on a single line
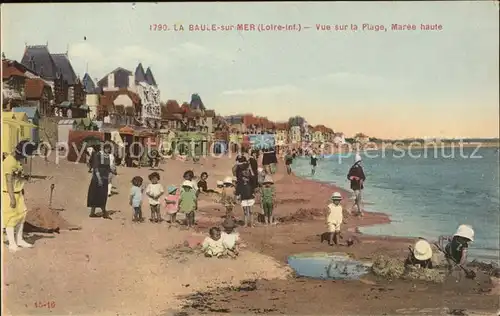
[(425, 197)]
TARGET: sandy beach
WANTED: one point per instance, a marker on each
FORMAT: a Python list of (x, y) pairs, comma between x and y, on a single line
[(115, 267)]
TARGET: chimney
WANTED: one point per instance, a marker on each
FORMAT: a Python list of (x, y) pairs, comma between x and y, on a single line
[(131, 83), (111, 81)]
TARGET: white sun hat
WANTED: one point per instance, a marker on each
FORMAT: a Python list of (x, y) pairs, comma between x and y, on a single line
[(357, 158), (465, 231), (422, 250), (228, 180), (187, 183), (336, 196), (268, 179), (219, 183)]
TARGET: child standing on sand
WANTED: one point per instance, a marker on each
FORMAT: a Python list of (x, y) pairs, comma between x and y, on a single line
[(227, 196), (246, 193), (172, 203), (136, 198), (188, 202), (334, 218), (288, 162), (154, 191), (268, 197)]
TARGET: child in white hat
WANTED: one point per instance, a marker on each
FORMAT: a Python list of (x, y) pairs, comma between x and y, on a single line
[(227, 197), (420, 255), (334, 218), (219, 187), (456, 249), (188, 202)]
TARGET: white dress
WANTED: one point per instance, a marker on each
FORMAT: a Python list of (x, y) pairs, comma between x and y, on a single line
[(154, 189)]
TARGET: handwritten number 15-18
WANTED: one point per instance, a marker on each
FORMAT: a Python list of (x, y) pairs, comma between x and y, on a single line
[(158, 27)]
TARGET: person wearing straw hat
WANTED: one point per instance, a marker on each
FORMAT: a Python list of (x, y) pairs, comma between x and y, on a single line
[(357, 177), (230, 238), (227, 196), (188, 202), (14, 209), (420, 255), (268, 199), (219, 187), (334, 218)]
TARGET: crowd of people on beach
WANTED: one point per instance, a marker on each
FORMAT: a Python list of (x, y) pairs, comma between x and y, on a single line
[(249, 184)]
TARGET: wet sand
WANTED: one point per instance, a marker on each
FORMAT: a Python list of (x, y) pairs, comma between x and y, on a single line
[(117, 267)]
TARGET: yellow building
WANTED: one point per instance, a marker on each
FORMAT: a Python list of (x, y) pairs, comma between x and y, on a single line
[(14, 129), (281, 137), (295, 134)]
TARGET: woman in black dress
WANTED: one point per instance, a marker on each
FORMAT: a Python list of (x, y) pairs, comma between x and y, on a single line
[(97, 196), (266, 160), (254, 165)]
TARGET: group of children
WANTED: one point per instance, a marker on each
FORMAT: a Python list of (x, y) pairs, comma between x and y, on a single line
[(454, 249), (220, 244), (184, 200)]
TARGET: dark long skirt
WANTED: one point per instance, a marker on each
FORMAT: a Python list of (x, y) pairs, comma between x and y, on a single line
[(97, 195)]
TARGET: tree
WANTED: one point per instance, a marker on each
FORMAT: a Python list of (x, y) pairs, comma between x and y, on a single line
[(296, 121), (196, 102)]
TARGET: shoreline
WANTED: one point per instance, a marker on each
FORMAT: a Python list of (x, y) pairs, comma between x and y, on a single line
[(300, 209), (159, 272)]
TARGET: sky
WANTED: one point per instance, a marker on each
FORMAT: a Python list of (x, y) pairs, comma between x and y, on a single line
[(391, 84)]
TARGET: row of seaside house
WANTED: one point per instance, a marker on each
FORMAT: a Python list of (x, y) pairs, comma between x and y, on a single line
[(45, 100)]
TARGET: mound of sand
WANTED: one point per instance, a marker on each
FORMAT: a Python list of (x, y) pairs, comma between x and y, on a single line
[(303, 214), (46, 218), (392, 268)]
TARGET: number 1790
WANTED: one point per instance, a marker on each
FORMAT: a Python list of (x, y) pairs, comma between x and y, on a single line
[(158, 27)]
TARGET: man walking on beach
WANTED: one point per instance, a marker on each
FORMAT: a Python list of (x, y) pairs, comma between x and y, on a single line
[(357, 177)]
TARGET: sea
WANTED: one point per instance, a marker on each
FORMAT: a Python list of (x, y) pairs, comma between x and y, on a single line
[(426, 192)]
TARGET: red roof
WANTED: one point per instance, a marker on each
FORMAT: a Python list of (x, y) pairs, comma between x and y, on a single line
[(9, 70), (126, 130), (108, 97), (173, 107), (33, 88)]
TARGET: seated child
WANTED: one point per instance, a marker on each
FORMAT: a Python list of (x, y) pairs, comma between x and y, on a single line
[(334, 218), (213, 246), (202, 184), (420, 255), (172, 203), (456, 249), (188, 202), (230, 238)]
